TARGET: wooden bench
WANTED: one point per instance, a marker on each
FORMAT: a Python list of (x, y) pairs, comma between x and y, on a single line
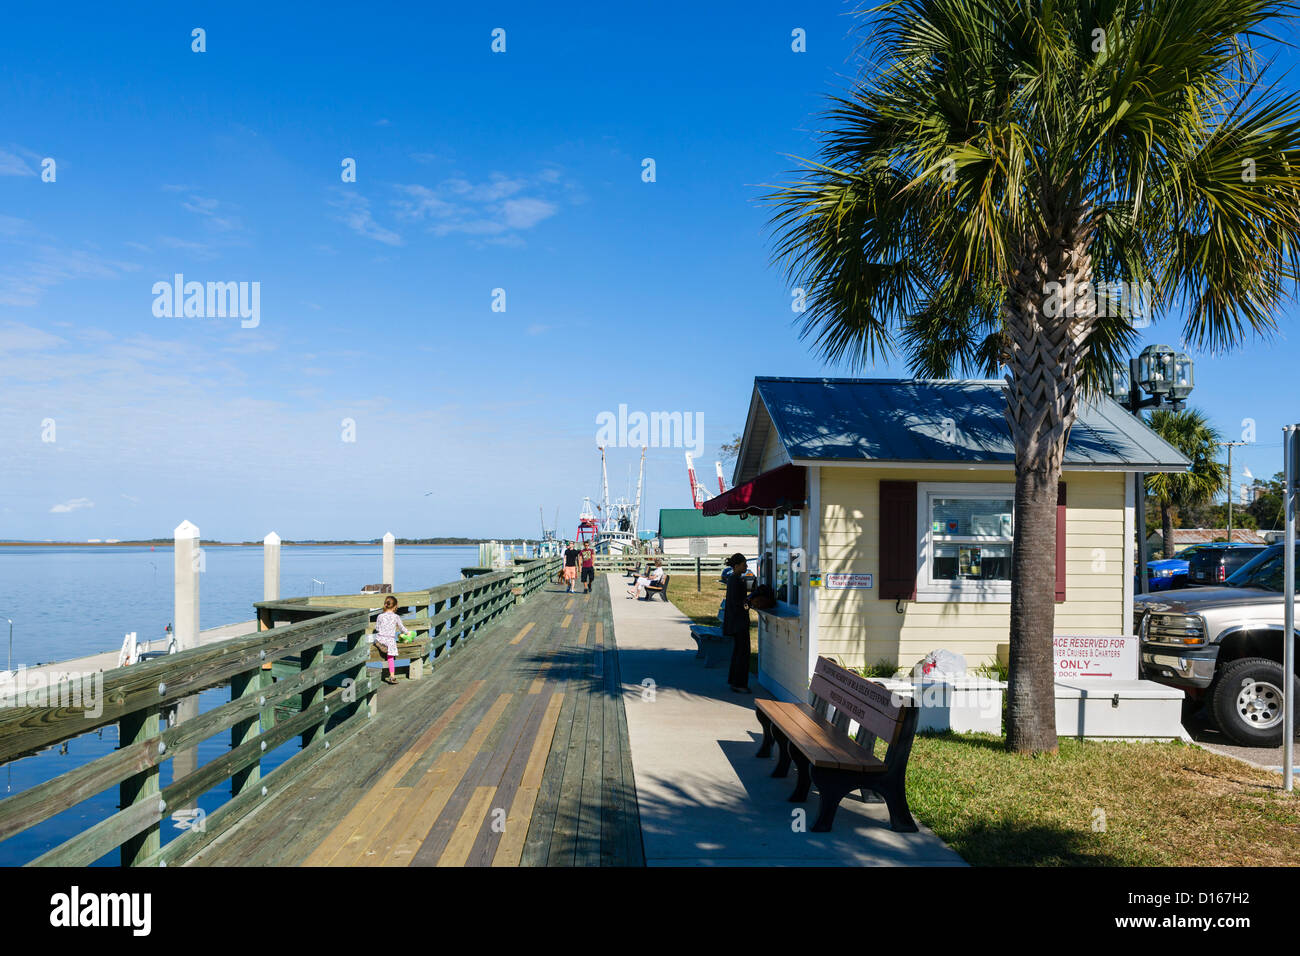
[(415, 650), (652, 589), (711, 644), (826, 756)]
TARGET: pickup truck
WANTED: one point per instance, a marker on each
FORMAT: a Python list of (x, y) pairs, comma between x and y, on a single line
[(1223, 647)]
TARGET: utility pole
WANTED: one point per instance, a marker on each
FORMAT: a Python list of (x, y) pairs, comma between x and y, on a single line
[(1230, 445)]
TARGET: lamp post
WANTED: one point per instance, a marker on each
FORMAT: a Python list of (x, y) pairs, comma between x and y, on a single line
[(1167, 378)]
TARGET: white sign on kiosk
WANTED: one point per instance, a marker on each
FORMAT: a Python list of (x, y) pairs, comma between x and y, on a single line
[(847, 580), (1105, 656)]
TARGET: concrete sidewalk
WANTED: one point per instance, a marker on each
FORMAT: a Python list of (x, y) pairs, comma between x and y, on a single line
[(704, 798)]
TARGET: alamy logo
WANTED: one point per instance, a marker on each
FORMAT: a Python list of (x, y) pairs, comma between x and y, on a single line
[(67, 689), (213, 300), (75, 908), (655, 429)]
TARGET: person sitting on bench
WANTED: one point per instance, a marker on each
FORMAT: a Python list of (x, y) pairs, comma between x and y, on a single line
[(658, 582)]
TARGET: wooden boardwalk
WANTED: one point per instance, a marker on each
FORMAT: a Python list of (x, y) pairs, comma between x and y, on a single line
[(512, 752)]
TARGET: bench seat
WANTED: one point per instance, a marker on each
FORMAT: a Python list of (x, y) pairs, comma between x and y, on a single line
[(711, 644), (824, 744), (825, 755)]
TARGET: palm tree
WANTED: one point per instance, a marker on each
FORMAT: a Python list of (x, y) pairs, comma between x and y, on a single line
[(1191, 433), (997, 165)]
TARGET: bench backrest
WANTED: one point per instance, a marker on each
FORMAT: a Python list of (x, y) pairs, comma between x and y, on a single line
[(878, 712)]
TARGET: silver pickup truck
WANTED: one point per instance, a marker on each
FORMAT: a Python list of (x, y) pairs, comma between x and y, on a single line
[(1223, 647)]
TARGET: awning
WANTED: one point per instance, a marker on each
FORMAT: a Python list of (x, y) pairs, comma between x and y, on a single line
[(781, 489)]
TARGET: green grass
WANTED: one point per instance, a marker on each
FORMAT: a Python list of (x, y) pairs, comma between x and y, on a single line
[(1162, 804)]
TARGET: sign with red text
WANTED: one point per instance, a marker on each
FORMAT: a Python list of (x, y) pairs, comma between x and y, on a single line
[(1096, 655)]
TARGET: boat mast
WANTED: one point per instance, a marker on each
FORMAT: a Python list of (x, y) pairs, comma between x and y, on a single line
[(636, 507), (604, 487)]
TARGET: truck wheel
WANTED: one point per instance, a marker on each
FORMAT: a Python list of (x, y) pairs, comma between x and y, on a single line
[(1247, 702)]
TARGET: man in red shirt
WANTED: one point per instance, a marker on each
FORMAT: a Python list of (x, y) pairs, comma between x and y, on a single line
[(588, 566)]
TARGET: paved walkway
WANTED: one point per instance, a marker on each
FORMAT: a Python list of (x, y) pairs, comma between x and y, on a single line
[(704, 798)]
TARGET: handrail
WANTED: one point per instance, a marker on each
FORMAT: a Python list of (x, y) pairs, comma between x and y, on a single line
[(136, 697), (323, 637)]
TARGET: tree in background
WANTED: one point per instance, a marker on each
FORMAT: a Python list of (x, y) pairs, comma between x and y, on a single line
[(999, 172), (728, 451), (1191, 433), (1267, 507)]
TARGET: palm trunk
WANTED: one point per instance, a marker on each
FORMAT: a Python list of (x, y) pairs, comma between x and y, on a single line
[(1167, 528), (1031, 704), (1047, 346)]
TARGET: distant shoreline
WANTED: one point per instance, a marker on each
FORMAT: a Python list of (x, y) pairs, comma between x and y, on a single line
[(247, 544)]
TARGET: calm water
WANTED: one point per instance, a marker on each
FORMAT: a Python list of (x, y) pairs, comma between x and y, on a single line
[(69, 602)]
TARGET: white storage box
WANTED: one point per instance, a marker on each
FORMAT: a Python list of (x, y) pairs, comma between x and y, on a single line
[(1118, 709), (963, 704)]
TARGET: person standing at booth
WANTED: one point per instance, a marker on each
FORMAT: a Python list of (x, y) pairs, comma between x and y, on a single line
[(735, 624)]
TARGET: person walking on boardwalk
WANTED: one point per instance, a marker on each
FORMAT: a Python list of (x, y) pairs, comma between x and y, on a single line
[(735, 624), (386, 627), (570, 567), (588, 566)]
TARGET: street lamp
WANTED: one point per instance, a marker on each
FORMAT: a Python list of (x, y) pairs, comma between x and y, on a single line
[(1160, 371), (1168, 378)]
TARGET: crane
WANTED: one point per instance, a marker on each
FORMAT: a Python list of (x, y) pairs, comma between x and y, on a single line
[(698, 494)]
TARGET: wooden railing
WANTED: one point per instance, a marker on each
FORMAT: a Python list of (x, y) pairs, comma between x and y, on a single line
[(708, 565), (319, 646), (331, 688)]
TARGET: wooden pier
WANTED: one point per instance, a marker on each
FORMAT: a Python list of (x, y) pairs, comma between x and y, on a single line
[(511, 750)]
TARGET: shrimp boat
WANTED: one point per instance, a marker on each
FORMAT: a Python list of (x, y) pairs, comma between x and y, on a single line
[(612, 526)]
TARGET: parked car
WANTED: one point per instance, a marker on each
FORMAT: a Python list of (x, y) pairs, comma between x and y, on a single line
[(1214, 563), (1223, 647), (1166, 573)]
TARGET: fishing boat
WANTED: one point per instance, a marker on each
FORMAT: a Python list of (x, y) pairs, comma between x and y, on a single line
[(612, 526)]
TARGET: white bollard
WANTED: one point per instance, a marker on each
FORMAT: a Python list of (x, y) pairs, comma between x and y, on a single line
[(188, 564), (271, 567), (389, 542)]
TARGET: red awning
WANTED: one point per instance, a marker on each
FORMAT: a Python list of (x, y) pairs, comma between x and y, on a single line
[(781, 489)]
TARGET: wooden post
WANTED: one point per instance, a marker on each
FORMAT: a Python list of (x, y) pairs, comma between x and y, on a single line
[(188, 564), (271, 567), (308, 659), (132, 729), (389, 542), (697, 573), (247, 684)]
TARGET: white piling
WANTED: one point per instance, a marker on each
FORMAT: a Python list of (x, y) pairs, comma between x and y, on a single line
[(187, 565), (271, 567), (389, 542)]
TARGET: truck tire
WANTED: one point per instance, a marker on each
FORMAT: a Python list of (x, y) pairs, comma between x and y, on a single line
[(1247, 702)]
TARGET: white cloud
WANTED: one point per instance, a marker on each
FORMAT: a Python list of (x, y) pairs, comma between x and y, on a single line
[(495, 209), (23, 283), (13, 165), (71, 505), (526, 213), (354, 212), (16, 337), (212, 211)]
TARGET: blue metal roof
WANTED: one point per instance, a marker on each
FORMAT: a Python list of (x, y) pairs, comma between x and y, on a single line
[(962, 422)]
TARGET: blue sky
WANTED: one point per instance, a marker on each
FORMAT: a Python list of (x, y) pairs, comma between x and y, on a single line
[(476, 171)]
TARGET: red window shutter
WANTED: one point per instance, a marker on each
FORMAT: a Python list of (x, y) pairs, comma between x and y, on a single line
[(1060, 541), (897, 524)]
